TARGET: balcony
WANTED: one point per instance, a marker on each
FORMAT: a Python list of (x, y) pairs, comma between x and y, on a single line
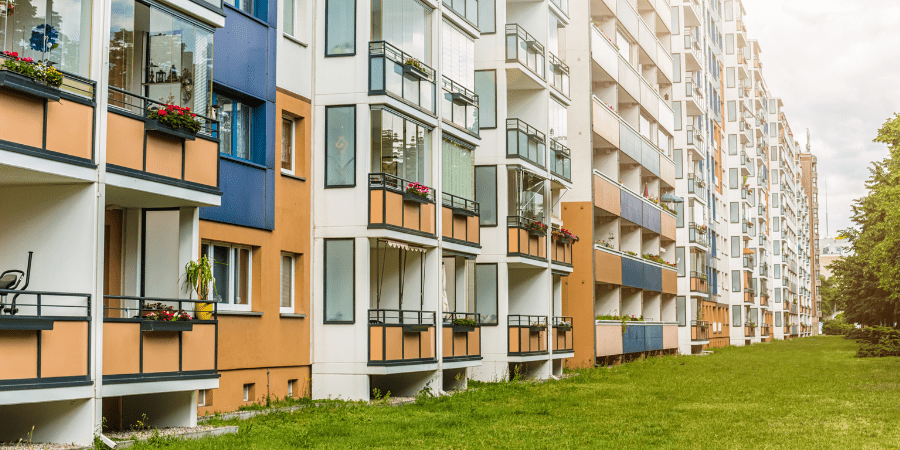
[(605, 53), (749, 296), (560, 161), (525, 238), (525, 142), (461, 339), (699, 331), (401, 76), (697, 234), (145, 149), (561, 249), (44, 340), (697, 186), (563, 6), (563, 335), (559, 75), (466, 9), (693, 92), (699, 283), (607, 266), (749, 330), (695, 143), (47, 122), (402, 337), (765, 330), (459, 106), (460, 221), (391, 207), (527, 335), (523, 48), (140, 349), (605, 122)]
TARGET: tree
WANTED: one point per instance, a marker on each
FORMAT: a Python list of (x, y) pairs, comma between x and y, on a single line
[(831, 300), (867, 282)]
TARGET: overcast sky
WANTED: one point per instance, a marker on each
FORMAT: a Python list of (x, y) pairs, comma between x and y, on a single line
[(835, 65)]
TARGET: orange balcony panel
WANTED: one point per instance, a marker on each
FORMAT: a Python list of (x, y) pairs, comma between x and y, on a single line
[(163, 155), (669, 281), (607, 267), (122, 147), (18, 351), (159, 348), (21, 119), (670, 336), (522, 340), (121, 347), (523, 243), (387, 208), (461, 344), (562, 339), (199, 348), (198, 162), (561, 251), (70, 128), (64, 350), (462, 228), (667, 223), (607, 196), (390, 343)]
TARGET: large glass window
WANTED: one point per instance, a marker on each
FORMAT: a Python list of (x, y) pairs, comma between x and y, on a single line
[(246, 6), (487, 16), (340, 280), (287, 145), (467, 9), (458, 169), (159, 55), (231, 273), (340, 27), (558, 122), (405, 24), (235, 127), (486, 88), (486, 194), (486, 293), (680, 311), (63, 35), (340, 146), (458, 56), (680, 261), (526, 194), (400, 147)]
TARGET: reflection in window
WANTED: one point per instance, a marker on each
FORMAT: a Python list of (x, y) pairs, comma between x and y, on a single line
[(339, 280), (526, 194), (486, 194), (405, 24), (160, 56), (486, 293), (340, 146), (235, 119), (458, 169), (400, 147), (340, 26), (63, 36), (243, 5)]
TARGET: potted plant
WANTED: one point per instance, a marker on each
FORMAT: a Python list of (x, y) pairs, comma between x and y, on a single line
[(631, 253), (537, 327), (161, 317), (173, 120), (417, 192), (30, 77), (563, 325), (415, 67), (564, 236), (536, 228), (464, 325), (198, 278)]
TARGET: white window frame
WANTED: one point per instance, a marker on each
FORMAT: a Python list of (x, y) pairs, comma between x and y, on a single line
[(283, 15), (201, 397), (288, 309), (229, 304), (293, 168)]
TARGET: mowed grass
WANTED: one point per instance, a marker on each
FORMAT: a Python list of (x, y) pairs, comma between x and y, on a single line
[(804, 394)]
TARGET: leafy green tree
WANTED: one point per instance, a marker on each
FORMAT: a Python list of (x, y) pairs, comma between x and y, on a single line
[(831, 299)]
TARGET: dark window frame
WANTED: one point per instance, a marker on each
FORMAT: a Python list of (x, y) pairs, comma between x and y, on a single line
[(325, 282), (496, 296), (338, 55), (355, 153), (496, 195)]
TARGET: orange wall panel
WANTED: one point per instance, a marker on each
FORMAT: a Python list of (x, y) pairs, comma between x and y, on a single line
[(164, 155), (71, 128), (200, 162), (578, 287), (607, 196), (124, 141), (669, 281), (198, 348), (64, 350), (18, 354), (607, 267), (121, 348), (667, 223), (609, 339), (159, 350), (21, 119)]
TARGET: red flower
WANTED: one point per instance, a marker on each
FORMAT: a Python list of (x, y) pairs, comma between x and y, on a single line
[(180, 113), (188, 108), (161, 113), (168, 107), (192, 115), (28, 60)]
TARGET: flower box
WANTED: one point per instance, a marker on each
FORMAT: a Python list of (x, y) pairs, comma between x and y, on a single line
[(537, 328), (563, 327), (537, 233), (159, 127), (416, 328), (462, 97), (26, 85), (462, 212), (463, 328), (416, 72), (411, 197), (24, 323), (165, 325)]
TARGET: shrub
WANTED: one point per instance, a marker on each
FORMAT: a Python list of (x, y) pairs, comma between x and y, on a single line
[(836, 326), (876, 341)]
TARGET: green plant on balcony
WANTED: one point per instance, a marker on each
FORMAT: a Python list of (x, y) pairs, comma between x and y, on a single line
[(175, 117), (418, 189), (607, 242), (164, 313), (564, 235), (666, 208), (537, 227), (631, 253), (38, 71), (464, 322), (415, 64), (198, 279), (564, 325)]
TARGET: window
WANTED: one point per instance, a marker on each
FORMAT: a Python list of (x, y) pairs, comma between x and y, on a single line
[(340, 27), (486, 288), (487, 16), (676, 107), (180, 53), (729, 44), (729, 13), (231, 272), (340, 146), (679, 164), (644, 125), (777, 314), (679, 214), (736, 281), (736, 316), (248, 393), (235, 127), (293, 20), (486, 88), (732, 144), (729, 77), (676, 20), (526, 194), (776, 247), (243, 5), (458, 169), (458, 55), (735, 247), (777, 293), (339, 291), (735, 212), (405, 24), (486, 194), (776, 224), (732, 111), (680, 311), (679, 260), (203, 397), (291, 388), (400, 147), (287, 283), (733, 179), (287, 145), (676, 67), (24, 22)]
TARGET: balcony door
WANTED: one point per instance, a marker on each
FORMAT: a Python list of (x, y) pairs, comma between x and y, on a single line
[(160, 271)]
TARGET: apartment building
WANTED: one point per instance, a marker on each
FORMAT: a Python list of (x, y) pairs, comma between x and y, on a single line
[(810, 180), (621, 134)]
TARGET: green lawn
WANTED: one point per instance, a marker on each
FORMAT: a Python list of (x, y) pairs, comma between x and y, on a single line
[(807, 393)]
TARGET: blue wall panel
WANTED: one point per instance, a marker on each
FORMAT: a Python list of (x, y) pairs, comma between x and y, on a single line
[(633, 340), (632, 210), (242, 60), (653, 337), (243, 189), (651, 218), (649, 157), (632, 273), (630, 143), (652, 278)]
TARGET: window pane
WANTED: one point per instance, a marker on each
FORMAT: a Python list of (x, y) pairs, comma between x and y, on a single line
[(287, 144), (339, 280), (735, 247), (486, 292), (340, 146), (289, 17), (487, 16), (736, 316), (287, 275), (733, 178), (458, 170), (241, 276), (220, 262), (486, 88), (679, 164), (242, 130), (735, 281), (340, 32), (679, 260), (680, 311), (486, 194), (226, 124), (777, 315)]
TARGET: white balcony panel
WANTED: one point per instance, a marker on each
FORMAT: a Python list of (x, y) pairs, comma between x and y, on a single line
[(666, 117), (664, 63), (629, 79), (649, 100), (628, 17), (647, 41), (604, 53), (605, 123)]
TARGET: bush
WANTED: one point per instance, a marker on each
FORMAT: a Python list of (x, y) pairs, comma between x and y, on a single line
[(876, 341), (836, 327)]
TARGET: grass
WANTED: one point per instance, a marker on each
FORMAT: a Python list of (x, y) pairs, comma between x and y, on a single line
[(805, 393)]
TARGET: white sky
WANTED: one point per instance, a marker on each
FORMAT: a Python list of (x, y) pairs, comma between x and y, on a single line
[(836, 66)]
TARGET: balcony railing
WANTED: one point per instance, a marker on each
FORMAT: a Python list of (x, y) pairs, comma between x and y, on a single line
[(460, 106), (460, 220), (400, 337), (467, 9), (697, 186), (699, 330), (697, 234), (143, 148), (699, 283), (461, 342), (392, 207), (695, 140), (562, 334), (563, 5), (527, 335), (749, 331), (524, 239), (400, 75), (166, 350), (46, 339), (559, 74), (524, 48), (561, 250), (765, 330), (560, 160), (525, 142)]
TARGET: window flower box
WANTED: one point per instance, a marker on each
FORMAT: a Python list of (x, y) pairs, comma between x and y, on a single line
[(465, 98), (537, 328), (563, 327), (415, 328), (160, 325), (159, 127), (464, 325), (416, 192), (416, 68), (28, 86)]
